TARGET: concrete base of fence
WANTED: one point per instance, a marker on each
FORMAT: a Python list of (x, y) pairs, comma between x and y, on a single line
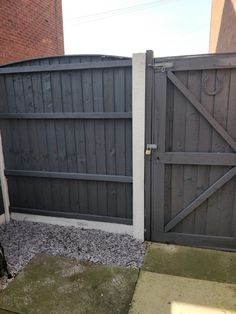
[(86, 224)]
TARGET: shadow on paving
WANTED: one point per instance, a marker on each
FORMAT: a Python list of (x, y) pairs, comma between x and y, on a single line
[(54, 285)]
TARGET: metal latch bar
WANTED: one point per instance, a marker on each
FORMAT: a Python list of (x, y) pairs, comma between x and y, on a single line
[(162, 66), (149, 148)]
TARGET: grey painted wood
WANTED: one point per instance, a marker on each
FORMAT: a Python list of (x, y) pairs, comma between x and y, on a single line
[(202, 110), (61, 192), (199, 157), (201, 198), (178, 137), (63, 59), (198, 240), (68, 214), (219, 202), (11, 137), (201, 62), (191, 144), (108, 81), (46, 143), (128, 141), (159, 137), (231, 127), (67, 132), (99, 129), (77, 97), (189, 158), (204, 145), (148, 140), (65, 67), (87, 86), (119, 105), (67, 115), (69, 175)]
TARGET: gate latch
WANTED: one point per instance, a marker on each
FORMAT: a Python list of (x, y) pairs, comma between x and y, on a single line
[(149, 148), (162, 67)]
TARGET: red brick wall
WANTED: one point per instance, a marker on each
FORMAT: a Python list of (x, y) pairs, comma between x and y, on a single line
[(30, 28), (223, 26)]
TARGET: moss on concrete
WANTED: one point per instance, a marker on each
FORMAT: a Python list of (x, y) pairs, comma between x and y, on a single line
[(6, 312), (165, 294), (191, 262), (58, 285)]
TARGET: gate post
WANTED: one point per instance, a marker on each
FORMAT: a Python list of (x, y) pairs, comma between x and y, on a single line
[(138, 131), (4, 187)]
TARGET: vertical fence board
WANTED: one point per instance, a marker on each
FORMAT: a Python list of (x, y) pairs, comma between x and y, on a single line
[(128, 141), (119, 99), (87, 86), (191, 143), (108, 91), (100, 141), (179, 122), (218, 145), (77, 95)]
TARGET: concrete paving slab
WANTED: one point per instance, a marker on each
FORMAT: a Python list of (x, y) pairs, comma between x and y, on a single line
[(6, 312), (191, 262), (57, 285), (165, 294)]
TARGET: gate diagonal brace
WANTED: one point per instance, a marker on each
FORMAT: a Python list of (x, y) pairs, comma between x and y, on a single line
[(201, 198)]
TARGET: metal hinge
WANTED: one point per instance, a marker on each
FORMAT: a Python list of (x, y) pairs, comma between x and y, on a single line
[(161, 67)]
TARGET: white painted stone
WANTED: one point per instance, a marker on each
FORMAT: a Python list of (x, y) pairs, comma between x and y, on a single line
[(138, 109)]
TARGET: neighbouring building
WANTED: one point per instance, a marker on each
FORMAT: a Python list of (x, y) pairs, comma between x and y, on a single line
[(223, 26), (30, 28)]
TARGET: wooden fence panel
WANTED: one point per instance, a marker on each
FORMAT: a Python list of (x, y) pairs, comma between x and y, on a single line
[(67, 136)]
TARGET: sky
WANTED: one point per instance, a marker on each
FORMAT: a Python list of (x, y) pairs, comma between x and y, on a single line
[(124, 27)]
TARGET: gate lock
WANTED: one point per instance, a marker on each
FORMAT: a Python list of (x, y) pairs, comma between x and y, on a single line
[(149, 148)]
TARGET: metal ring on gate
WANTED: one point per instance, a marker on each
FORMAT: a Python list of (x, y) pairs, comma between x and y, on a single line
[(218, 89)]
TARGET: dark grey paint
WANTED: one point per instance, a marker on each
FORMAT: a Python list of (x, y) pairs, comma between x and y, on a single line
[(192, 178), (66, 124)]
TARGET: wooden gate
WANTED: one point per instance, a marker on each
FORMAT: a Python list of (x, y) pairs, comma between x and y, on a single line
[(66, 124), (190, 175)]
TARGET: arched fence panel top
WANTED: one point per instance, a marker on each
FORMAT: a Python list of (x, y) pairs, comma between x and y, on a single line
[(66, 63), (65, 59)]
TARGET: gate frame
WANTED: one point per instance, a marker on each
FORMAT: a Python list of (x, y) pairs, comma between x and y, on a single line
[(215, 242)]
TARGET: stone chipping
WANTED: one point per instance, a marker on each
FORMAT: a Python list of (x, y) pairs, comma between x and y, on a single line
[(23, 239)]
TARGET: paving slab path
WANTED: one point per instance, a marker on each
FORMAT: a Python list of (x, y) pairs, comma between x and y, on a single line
[(58, 285), (184, 280), (166, 294)]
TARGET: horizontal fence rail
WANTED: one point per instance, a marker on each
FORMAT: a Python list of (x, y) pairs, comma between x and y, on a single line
[(68, 175), (67, 214), (199, 62), (67, 115), (66, 67)]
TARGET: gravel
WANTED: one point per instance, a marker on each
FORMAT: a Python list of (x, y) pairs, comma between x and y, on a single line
[(22, 240)]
